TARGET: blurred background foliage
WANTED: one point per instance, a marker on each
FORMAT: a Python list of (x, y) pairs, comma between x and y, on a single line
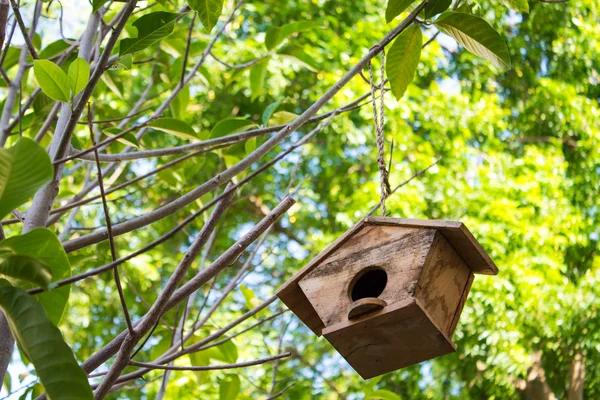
[(520, 165)]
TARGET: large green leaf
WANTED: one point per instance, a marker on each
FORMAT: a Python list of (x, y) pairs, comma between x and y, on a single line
[(229, 388), (128, 139), (52, 80), (258, 74), (403, 59), (44, 246), (25, 268), (517, 5), (43, 344), (24, 168), (395, 8), (209, 11), (277, 35), (435, 7), (175, 127), (230, 126), (477, 36), (79, 73), (151, 28)]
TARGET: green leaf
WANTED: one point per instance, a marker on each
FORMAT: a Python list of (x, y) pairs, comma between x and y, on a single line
[(96, 4), (209, 11), (125, 62), (79, 73), (477, 36), (298, 56), (128, 139), (52, 80), (266, 116), (258, 74), (7, 384), (44, 246), (24, 168), (403, 59), (276, 35), (282, 118), (180, 102), (229, 352), (395, 8), (435, 7), (250, 145), (370, 385), (229, 388), (175, 127), (43, 344), (230, 126), (27, 269), (54, 48), (249, 297), (517, 5), (382, 394), (151, 28), (111, 84)]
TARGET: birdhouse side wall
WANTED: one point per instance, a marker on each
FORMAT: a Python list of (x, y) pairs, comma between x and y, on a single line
[(400, 252), (444, 284)]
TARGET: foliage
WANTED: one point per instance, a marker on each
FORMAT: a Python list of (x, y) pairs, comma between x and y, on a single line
[(506, 94)]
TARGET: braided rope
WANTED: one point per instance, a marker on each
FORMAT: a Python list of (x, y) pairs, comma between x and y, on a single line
[(379, 120)]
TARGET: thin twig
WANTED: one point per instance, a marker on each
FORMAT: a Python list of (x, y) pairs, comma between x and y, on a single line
[(211, 367), (26, 35), (113, 252)]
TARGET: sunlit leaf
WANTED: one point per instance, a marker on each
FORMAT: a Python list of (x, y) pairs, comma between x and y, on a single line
[(403, 59), (24, 168), (517, 5), (175, 127), (477, 36), (52, 80), (282, 118), (266, 116), (209, 11), (79, 73), (230, 126), (382, 394), (229, 388), (257, 78)]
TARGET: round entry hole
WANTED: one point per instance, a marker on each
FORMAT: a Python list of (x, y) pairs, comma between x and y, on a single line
[(370, 284)]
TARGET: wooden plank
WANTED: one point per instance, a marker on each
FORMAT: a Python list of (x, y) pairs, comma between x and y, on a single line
[(397, 336), (457, 234), (441, 284), (461, 305), (328, 287)]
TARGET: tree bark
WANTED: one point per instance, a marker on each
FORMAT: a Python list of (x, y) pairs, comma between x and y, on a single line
[(536, 386), (576, 377)]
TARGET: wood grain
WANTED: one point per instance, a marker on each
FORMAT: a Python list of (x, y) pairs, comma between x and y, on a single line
[(441, 285), (328, 286), (395, 337)]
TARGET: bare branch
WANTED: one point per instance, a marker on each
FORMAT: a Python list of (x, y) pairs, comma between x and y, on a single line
[(211, 367)]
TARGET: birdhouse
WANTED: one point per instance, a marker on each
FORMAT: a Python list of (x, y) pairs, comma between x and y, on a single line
[(389, 292)]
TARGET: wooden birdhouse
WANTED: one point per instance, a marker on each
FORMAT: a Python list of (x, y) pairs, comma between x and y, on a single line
[(389, 292)]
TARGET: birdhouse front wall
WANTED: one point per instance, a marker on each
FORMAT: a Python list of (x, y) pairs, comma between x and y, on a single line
[(399, 251)]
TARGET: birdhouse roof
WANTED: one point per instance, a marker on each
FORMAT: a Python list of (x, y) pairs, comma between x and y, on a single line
[(456, 233)]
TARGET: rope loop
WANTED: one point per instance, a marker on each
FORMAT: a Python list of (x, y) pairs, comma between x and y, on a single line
[(379, 120)]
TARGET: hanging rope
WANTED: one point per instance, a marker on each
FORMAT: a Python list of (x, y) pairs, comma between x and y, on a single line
[(379, 120)]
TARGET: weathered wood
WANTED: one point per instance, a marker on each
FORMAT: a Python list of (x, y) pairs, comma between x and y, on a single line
[(389, 292), (456, 233), (328, 287), (365, 306), (442, 282), (395, 337)]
